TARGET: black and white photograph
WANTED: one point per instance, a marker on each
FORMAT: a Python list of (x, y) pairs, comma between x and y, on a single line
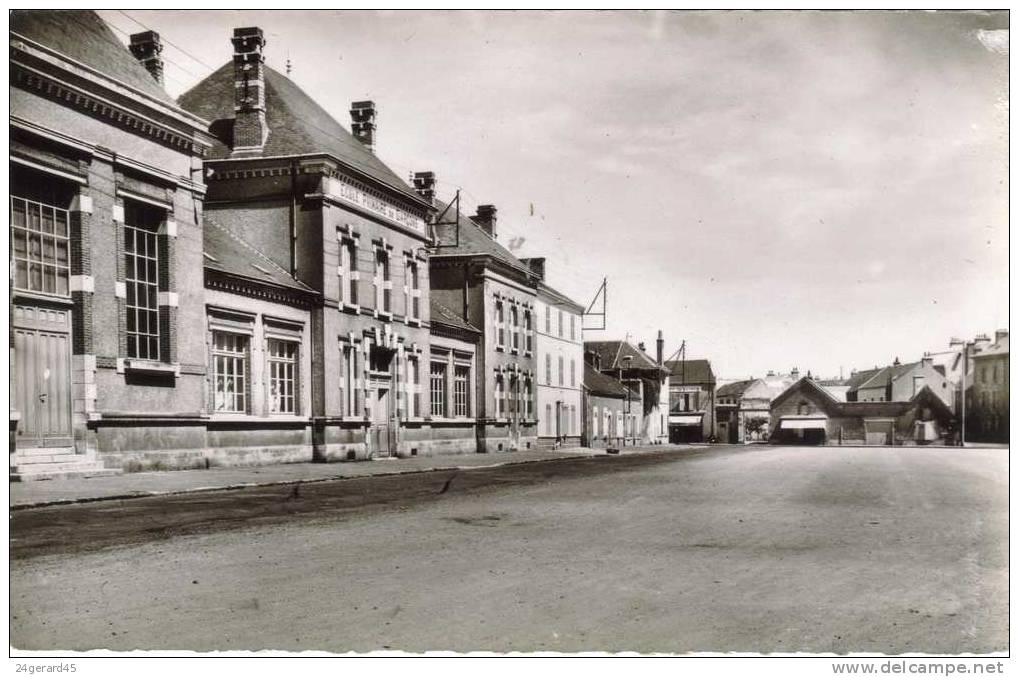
[(494, 333)]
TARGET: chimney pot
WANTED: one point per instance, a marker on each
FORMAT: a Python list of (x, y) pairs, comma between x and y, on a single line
[(486, 219), (146, 48), (362, 123)]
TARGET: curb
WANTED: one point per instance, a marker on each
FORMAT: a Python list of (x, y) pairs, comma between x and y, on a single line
[(279, 483)]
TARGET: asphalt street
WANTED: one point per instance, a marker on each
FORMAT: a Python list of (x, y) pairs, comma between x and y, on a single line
[(764, 549)]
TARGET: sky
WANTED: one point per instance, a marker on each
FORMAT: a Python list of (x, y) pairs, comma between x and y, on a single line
[(824, 190)]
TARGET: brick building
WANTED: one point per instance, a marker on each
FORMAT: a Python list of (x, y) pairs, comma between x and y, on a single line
[(483, 285), (987, 390), (317, 202), (691, 401), (899, 382), (560, 363), (646, 376), (806, 413), (106, 231), (610, 409)]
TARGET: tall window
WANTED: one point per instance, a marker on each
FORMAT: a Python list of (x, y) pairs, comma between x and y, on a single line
[(438, 388), (282, 358), (515, 327), (548, 419), (528, 396), (595, 422), (141, 276), (548, 369), (39, 247), (560, 370), (461, 391), (500, 327), (348, 381), (230, 372), (414, 308), (414, 380), (383, 292), (499, 404), (573, 327), (548, 319), (528, 341), (348, 271), (560, 323), (573, 372)]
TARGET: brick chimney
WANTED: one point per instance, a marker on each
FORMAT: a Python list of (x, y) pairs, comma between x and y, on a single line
[(250, 127), (486, 219), (146, 47), (1000, 334), (926, 360), (795, 373), (537, 266), (424, 184), (362, 123), (660, 348)]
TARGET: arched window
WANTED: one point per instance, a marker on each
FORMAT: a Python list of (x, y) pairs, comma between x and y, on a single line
[(803, 408)]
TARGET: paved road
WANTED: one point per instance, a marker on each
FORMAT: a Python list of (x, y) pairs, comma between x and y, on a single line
[(722, 549)]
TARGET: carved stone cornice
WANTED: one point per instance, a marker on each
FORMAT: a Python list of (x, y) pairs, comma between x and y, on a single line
[(242, 286), (95, 105)]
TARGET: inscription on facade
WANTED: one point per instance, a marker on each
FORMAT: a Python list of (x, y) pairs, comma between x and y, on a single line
[(359, 198)]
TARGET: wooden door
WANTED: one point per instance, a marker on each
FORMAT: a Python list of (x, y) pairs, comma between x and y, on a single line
[(42, 375)]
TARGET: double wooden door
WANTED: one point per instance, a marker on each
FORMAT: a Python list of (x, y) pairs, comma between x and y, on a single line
[(41, 375)]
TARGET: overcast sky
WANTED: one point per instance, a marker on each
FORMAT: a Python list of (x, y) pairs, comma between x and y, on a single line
[(824, 190)]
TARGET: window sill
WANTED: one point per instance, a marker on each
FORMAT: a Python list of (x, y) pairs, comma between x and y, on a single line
[(384, 316), (132, 365), (235, 417), (350, 308)]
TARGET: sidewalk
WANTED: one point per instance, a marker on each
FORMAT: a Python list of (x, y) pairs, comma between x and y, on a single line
[(135, 485)]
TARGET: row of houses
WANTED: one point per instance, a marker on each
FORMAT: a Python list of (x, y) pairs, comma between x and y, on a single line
[(234, 277), (918, 402)]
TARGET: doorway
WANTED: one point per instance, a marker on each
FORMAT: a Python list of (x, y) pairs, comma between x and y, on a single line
[(42, 375)]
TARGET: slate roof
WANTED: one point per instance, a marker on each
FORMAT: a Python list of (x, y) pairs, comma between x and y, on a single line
[(230, 253), (887, 375), (473, 240), (834, 407), (82, 36), (297, 125), (999, 347), (604, 385), (690, 371), (735, 389), (861, 377), (559, 297), (443, 315), (612, 353)]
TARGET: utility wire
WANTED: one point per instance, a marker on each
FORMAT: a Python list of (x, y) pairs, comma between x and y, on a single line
[(169, 42)]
